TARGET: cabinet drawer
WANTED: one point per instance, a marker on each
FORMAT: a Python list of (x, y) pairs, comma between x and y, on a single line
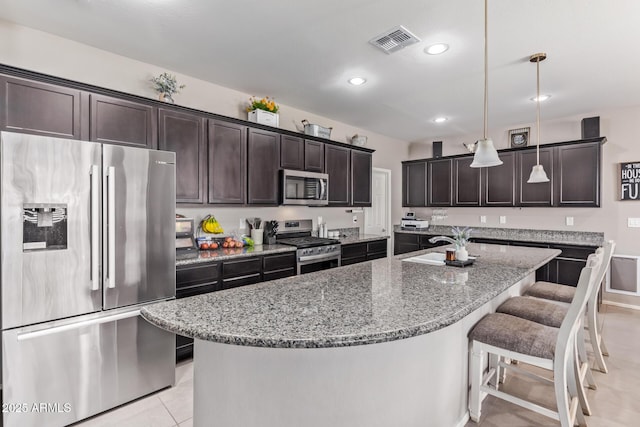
[(279, 262), (241, 281), (194, 275), (376, 255), (354, 250), (189, 291), (575, 252), (353, 260), (377, 246), (279, 274), (491, 241), (242, 267)]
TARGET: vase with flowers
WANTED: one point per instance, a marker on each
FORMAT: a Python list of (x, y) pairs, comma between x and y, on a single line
[(263, 111), (461, 236), (166, 86)]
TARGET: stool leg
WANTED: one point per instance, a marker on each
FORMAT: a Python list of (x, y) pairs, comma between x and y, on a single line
[(571, 385), (494, 363), (577, 380), (583, 361), (475, 371), (599, 348)]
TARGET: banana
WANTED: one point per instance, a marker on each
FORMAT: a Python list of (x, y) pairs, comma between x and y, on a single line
[(210, 224)]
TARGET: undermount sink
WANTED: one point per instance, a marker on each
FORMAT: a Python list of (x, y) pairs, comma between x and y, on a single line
[(433, 258)]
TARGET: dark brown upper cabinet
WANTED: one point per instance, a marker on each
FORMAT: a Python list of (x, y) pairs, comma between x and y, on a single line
[(291, 152), (118, 121), (263, 155), (361, 168), (499, 183), (227, 165), (40, 109), (185, 134), (439, 180), (466, 188), (578, 178), (414, 184), (337, 162), (313, 156), (538, 194)]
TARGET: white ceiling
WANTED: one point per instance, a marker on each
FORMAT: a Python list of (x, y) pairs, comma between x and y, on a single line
[(303, 52)]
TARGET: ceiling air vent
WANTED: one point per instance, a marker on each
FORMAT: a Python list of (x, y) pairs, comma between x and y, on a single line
[(395, 39)]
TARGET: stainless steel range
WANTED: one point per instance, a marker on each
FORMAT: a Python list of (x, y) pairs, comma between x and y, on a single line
[(313, 253)]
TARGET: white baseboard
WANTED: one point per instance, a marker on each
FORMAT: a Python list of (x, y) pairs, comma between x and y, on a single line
[(620, 304), (463, 420)]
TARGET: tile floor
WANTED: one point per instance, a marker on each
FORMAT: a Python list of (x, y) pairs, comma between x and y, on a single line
[(614, 403)]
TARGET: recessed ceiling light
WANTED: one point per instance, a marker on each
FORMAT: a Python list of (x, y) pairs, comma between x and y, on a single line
[(437, 49), (357, 81), (542, 98), (440, 119)]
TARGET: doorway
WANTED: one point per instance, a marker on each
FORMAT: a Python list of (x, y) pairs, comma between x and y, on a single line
[(377, 218)]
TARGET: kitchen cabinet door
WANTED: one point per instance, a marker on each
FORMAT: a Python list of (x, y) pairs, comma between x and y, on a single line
[(361, 169), (39, 108), (184, 134), (414, 184), (337, 164), (313, 156), (353, 253), (466, 180), (405, 242), (227, 162), (578, 180), (539, 194), (263, 154), (291, 152), (123, 122), (499, 182), (439, 182)]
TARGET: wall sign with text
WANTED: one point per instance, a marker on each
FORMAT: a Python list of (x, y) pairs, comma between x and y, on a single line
[(630, 181)]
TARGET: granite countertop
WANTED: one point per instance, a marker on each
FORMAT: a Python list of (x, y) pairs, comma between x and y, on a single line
[(578, 238), (359, 238), (234, 253), (366, 303)]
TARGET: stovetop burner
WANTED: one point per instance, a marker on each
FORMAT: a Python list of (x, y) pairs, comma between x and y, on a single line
[(308, 241)]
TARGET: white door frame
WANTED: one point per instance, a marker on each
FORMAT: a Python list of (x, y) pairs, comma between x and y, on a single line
[(367, 211)]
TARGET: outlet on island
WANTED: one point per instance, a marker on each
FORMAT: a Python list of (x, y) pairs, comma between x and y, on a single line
[(355, 219)]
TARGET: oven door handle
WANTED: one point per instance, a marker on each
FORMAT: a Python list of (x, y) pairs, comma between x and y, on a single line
[(321, 257)]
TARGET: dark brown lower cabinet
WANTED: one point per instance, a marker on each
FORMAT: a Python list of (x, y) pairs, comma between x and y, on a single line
[(196, 279), (359, 252), (409, 242)]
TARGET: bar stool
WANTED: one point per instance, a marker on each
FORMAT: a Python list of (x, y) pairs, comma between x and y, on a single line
[(563, 293), (552, 313), (500, 336)]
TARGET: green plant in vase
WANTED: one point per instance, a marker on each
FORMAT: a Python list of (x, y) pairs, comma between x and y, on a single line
[(166, 86)]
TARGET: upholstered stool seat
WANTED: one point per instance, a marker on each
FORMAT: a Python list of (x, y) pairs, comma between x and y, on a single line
[(536, 310), (552, 291), (516, 334)]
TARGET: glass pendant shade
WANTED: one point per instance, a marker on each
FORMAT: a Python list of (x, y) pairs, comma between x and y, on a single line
[(486, 155), (537, 175)]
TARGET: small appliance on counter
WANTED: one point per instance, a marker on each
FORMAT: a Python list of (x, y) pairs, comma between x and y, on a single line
[(185, 241), (410, 222)]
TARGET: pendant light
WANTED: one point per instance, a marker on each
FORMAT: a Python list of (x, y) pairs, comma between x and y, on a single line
[(538, 174), (486, 154)]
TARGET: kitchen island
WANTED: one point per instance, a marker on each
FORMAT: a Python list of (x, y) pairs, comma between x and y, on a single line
[(379, 343)]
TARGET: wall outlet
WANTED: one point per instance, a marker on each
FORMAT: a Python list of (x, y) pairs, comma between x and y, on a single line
[(503, 219), (355, 219), (483, 219), (243, 223), (633, 222), (569, 220)]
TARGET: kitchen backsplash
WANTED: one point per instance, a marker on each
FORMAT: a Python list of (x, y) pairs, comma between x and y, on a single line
[(232, 218)]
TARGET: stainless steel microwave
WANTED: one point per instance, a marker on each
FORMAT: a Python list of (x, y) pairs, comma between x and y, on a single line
[(304, 188)]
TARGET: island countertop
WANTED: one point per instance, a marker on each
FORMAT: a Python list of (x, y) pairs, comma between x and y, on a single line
[(371, 302)]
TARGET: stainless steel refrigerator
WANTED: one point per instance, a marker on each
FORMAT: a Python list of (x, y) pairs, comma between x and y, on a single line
[(88, 237)]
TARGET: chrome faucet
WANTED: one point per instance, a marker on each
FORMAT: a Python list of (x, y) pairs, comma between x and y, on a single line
[(442, 239)]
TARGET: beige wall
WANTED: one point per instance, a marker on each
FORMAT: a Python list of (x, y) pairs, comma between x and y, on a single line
[(621, 129), (38, 51)]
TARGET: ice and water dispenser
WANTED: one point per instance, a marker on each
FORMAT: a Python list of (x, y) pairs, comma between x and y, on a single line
[(44, 226)]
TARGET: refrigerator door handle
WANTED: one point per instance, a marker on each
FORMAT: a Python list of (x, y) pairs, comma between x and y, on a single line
[(95, 228), (111, 227), (76, 325)]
